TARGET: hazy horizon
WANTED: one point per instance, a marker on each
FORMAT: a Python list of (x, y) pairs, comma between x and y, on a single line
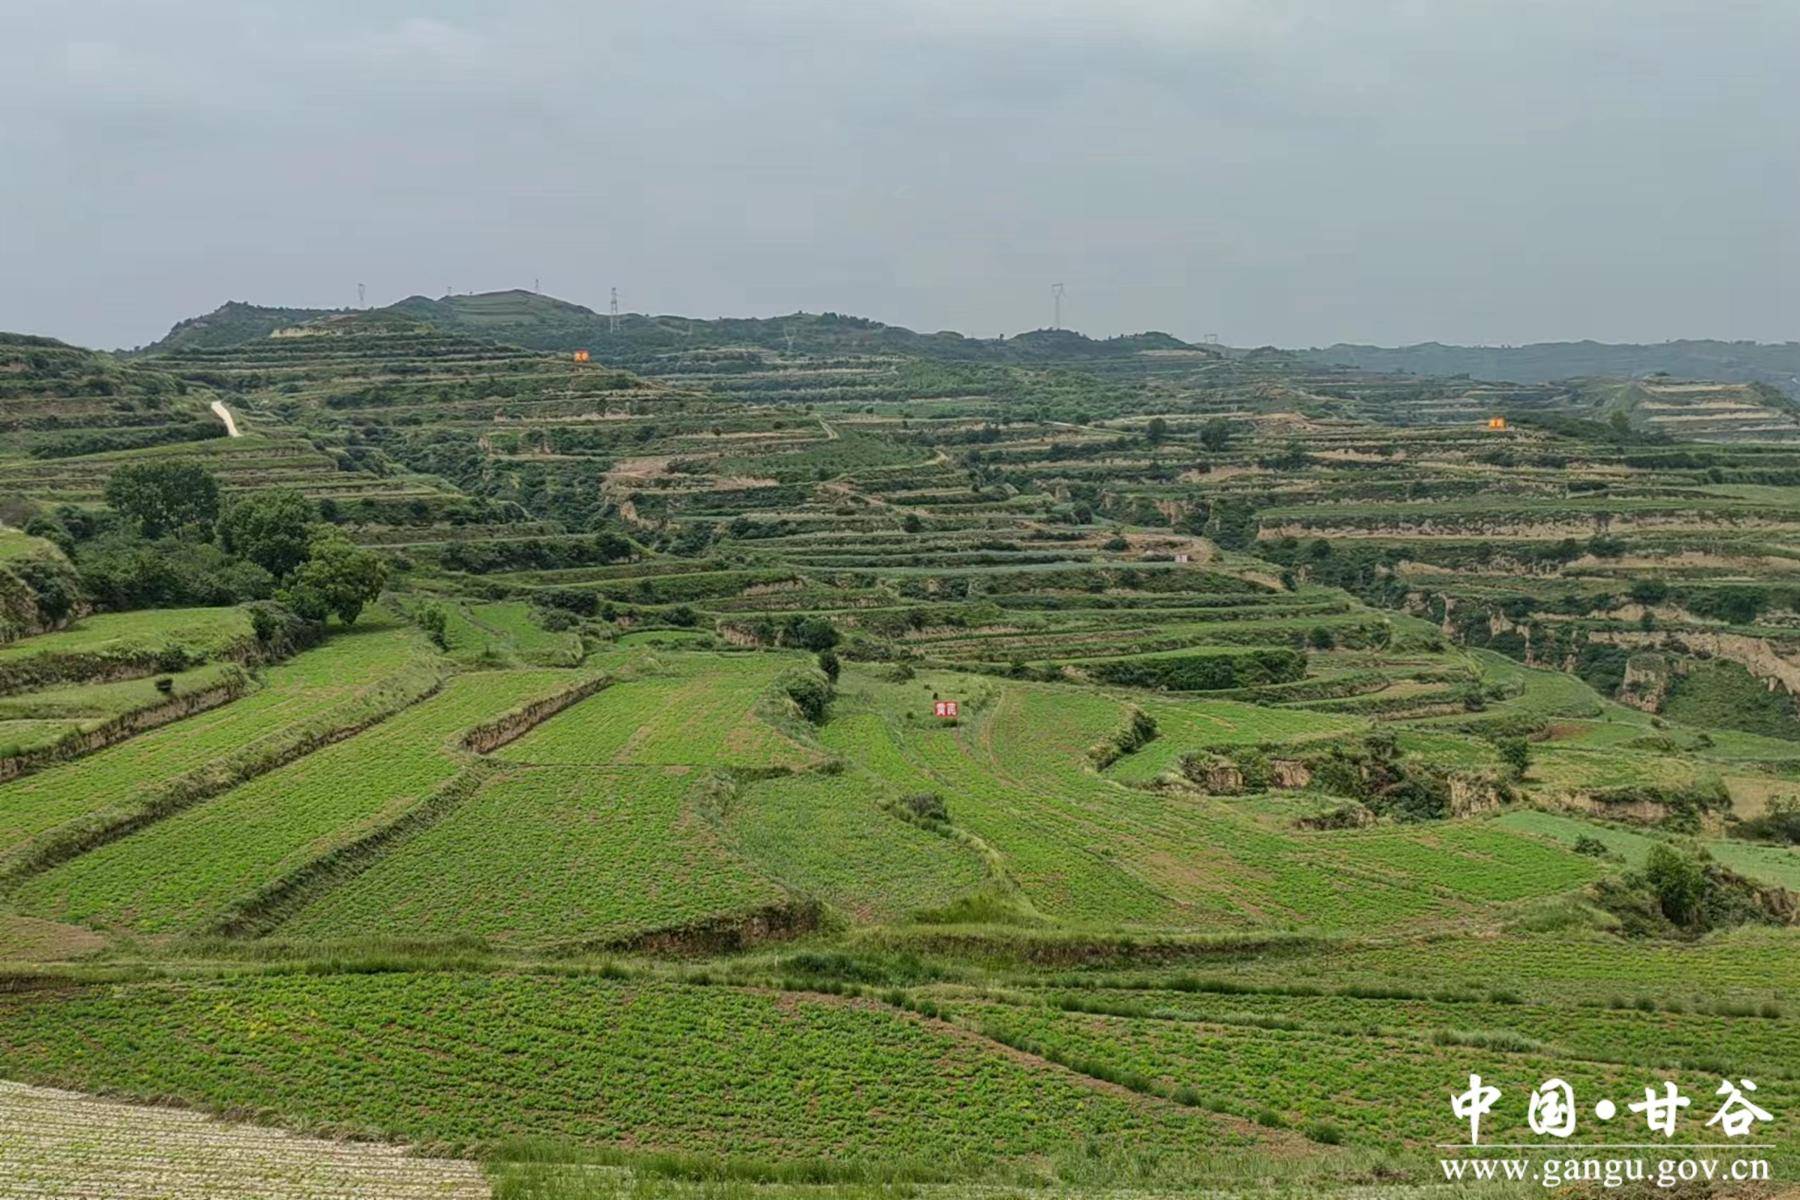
[(599, 307), (1296, 174)]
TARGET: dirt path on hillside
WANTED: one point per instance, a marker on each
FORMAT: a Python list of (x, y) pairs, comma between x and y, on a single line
[(224, 414)]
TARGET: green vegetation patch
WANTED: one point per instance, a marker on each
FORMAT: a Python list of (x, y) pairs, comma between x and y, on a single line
[(125, 645), (37, 721), (847, 840), (585, 1061), (705, 710), (1724, 695), (355, 671), (550, 854), (182, 873)]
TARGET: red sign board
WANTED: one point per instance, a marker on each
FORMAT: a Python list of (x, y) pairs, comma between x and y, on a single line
[(945, 708)]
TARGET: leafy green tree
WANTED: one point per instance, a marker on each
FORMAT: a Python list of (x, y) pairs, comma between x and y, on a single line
[(1232, 523), (1157, 431), (610, 547), (926, 806), (54, 588), (809, 633), (338, 576), (1515, 752), (1736, 604), (1781, 823), (164, 498), (435, 621), (123, 572), (693, 539), (1215, 433), (1678, 882), (812, 695), (272, 529)]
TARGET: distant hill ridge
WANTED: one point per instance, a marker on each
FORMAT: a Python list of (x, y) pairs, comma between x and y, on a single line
[(539, 322), (1776, 364), (232, 324)]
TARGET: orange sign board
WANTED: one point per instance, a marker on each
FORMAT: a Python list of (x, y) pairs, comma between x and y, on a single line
[(581, 356), (1496, 422)]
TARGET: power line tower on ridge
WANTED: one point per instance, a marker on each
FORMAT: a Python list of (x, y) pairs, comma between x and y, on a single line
[(612, 321), (1056, 293)]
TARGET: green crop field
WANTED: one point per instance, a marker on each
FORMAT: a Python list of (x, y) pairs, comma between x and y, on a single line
[(590, 1061), (1255, 1058), (835, 837), (356, 673), (807, 758), (182, 871), (1184, 728), (120, 645), (703, 712), (548, 854), (34, 721), (197, 630), (492, 634)]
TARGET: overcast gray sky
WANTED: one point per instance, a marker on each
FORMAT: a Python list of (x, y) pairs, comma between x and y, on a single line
[(1290, 172)]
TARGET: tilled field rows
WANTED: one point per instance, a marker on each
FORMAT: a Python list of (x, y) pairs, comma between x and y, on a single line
[(70, 1146)]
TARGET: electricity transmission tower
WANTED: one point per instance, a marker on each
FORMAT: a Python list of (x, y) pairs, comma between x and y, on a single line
[(1056, 293), (360, 293), (612, 321)]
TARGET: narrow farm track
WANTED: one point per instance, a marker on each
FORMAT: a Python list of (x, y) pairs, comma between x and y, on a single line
[(75, 1147), (224, 414)]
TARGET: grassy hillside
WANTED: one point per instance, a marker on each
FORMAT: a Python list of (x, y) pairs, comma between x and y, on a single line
[(540, 322), (895, 761), (231, 324)]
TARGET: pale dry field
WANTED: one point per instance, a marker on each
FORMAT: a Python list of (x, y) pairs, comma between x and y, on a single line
[(74, 1147)]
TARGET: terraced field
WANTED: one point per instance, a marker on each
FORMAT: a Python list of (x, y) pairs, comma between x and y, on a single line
[(1297, 1072), (1317, 740), (185, 871), (588, 1061), (510, 624), (124, 646), (702, 712), (548, 855), (1085, 849), (1211, 724), (357, 675), (59, 716), (838, 838)]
